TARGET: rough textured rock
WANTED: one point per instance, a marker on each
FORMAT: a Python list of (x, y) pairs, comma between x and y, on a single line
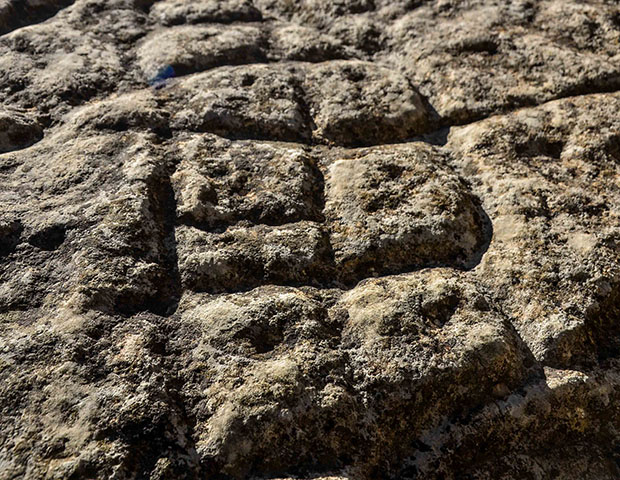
[(175, 12), (343, 103), (244, 257), (473, 58), (297, 383), (219, 183), (17, 14), (17, 130), (556, 210), (355, 103), (188, 48), (313, 239), (397, 208)]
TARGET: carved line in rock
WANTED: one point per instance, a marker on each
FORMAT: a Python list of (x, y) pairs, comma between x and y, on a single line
[(333, 251), (236, 125), (321, 271), (329, 272), (197, 253), (242, 255), (163, 283), (606, 85), (326, 271), (211, 45), (226, 331), (350, 103), (435, 132)]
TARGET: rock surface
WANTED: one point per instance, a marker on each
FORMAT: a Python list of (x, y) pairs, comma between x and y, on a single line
[(348, 239)]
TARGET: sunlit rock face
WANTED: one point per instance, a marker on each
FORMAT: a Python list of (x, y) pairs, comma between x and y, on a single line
[(350, 239)]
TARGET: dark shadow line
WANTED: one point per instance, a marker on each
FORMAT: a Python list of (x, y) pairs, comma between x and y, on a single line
[(24, 15)]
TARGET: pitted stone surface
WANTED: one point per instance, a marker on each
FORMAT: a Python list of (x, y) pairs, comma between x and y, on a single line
[(410, 335), (356, 103), (313, 239), (188, 49), (471, 59), (343, 103), (555, 207), (219, 183), (175, 12), (258, 212), (397, 208), (241, 258), (256, 101)]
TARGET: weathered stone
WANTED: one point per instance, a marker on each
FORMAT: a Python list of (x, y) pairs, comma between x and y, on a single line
[(254, 239), (109, 200), (356, 103), (242, 258), (137, 110), (393, 209), (17, 130), (472, 59), (301, 43), (17, 14), (309, 384), (346, 103), (571, 399), (220, 183), (50, 68), (548, 178), (175, 12), (195, 48), (257, 101), (317, 12)]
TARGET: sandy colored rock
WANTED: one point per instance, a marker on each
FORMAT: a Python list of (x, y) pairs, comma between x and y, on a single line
[(18, 130), (399, 208), (356, 103), (256, 101), (306, 44), (219, 183), (347, 103), (188, 49), (272, 239), (175, 12), (473, 59), (392, 337), (241, 257), (555, 213)]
